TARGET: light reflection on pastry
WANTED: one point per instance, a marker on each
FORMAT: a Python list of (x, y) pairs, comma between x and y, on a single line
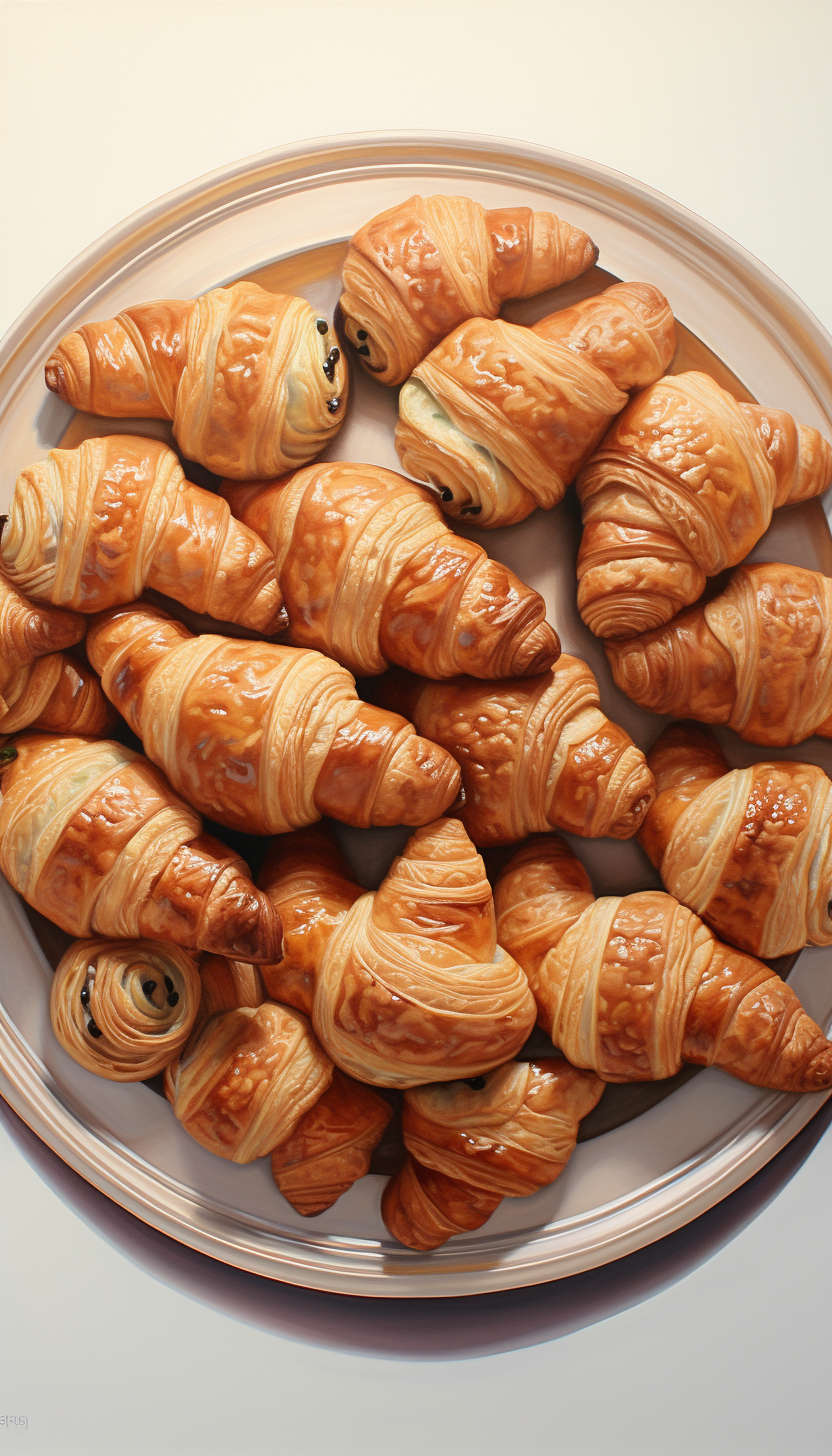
[(29, 630), (331, 1146), (55, 694)]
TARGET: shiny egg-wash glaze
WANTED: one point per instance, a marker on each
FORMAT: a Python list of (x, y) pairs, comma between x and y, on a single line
[(252, 383), (92, 836), (29, 630), (634, 985), (749, 849), (54, 694), (758, 658), (534, 752), (501, 417), (371, 575), (261, 737), (90, 528), (417, 270)]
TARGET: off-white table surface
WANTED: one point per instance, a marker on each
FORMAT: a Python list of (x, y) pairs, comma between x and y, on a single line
[(116, 1340)]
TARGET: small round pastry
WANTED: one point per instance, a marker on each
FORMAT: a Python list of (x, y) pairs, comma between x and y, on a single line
[(124, 1008)]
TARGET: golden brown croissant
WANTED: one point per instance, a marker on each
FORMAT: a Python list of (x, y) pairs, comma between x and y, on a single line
[(371, 574), (93, 837), (261, 737), (635, 985), (57, 694), (242, 1085), (534, 752), (417, 270), (681, 487), (331, 1146), (749, 849), (253, 381), (223, 985), (124, 1008), (758, 657), (28, 630), (92, 527), (501, 417), (472, 1144), (409, 984)]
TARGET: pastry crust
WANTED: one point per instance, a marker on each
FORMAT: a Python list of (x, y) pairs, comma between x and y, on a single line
[(371, 574), (331, 1146), (92, 527), (750, 850), (93, 837), (534, 752), (501, 417), (758, 658), (633, 986), (29, 630), (57, 694), (417, 270), (252, 384), (682, 487), (261, 737)]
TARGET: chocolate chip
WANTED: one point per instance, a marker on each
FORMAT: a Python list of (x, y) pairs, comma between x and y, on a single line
[(446, 494), (333, 405), (173, 998), (475, 1083), (93, 1029), (470, 510), (322, 326), (85, 995), (148, 987), (168, 983), (365, 350), (362, 333)]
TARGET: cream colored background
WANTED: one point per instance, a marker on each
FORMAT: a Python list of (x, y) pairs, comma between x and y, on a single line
[(114, 1341)]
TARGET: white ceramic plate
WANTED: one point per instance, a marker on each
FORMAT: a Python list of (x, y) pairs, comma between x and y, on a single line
[(283, 219)]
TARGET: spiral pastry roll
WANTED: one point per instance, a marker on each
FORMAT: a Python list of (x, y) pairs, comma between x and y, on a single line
[(55, 693), (501, 417), (124, 1008), (243, 1084), (633, 986), (254, 382), (92, 527), (371, 574), (417, 270), (682, 486), (261, 737), (472, 1144), (93, 837), (534, 752), (758, 658), (331, 1146), (749, 849), (28, 630), (223, 985)]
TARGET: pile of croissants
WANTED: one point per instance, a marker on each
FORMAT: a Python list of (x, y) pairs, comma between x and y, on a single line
[(291, 1017)]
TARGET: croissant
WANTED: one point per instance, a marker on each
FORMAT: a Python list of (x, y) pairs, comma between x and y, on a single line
[(749, 849), (92, 527), (635, 985), (371, 574), (92, 836), (501, 417), (681, 487), (534, 752), (758, 657), (243, 1084), (408, 983), (472, 1144), (124, 1008), (331, 1146), (417, 270), (261, 737), (28, 630), (254, 382), (57, 694), (223, 985)]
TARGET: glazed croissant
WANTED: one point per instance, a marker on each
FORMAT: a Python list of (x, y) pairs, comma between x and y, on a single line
[(758, 657), (534, 752), (371, 574), (92, 527), (501, 417), (261, 737), (417, 270), (124, 1008), (57, 694), (243, 1084), (254, 382), (408, 982), (472, 1144), (28, 630), (331, 1146), (223, 986), (682, 486), (635, 985), (750, 850), (93, 837)]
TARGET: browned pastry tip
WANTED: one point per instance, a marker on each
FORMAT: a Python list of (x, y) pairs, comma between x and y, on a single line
[(55, 694), (29, 630), (422, 1209), (331, 1146)]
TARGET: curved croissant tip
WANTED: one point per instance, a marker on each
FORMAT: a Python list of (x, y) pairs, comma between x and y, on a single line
[(536, 653), (55, 378)]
